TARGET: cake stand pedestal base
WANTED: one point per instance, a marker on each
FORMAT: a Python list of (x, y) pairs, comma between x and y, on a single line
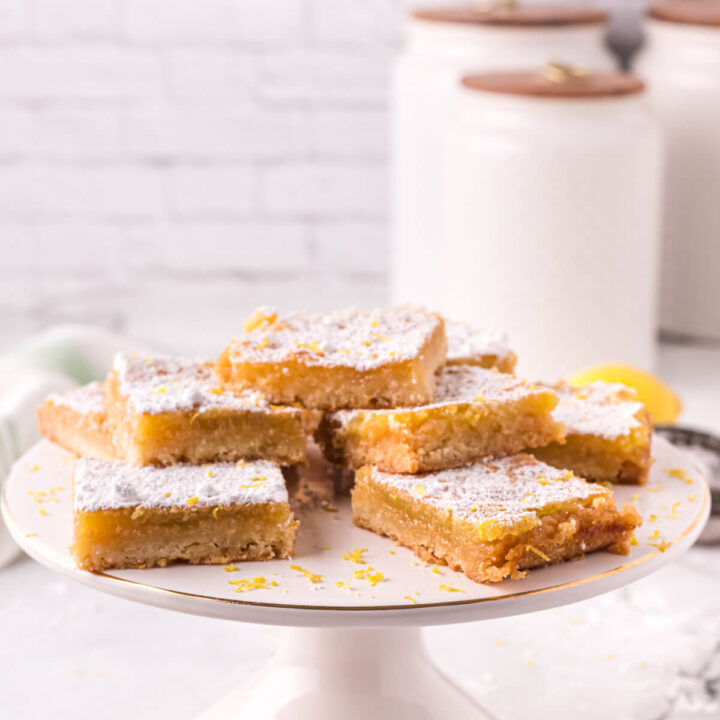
[(348, 674)]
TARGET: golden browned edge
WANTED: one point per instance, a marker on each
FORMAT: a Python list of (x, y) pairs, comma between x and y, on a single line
[(79, 434), (63, 561)]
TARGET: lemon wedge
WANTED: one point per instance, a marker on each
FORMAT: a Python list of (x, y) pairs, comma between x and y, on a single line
[(661, 402)]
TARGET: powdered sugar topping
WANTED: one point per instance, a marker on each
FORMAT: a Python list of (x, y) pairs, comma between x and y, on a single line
[(346, 338), (160, 383), (468, 342), (85, 400), (605, 409), (105, 484), (506, 490)]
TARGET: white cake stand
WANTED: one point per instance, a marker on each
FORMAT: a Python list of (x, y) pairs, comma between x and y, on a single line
[(356, 650)]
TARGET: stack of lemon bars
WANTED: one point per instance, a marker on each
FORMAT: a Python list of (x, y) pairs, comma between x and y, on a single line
[(454, 456)]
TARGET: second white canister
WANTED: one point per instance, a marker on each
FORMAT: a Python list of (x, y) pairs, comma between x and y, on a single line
[(681, 63), (442, 44), (551, 222)]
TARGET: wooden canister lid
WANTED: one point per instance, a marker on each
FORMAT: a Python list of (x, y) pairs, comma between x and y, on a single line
[(688, 12), (556, 81), (512, 14)]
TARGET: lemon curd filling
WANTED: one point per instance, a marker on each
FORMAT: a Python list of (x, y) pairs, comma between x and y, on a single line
[(608, 434), (475, 413), (495, 519)]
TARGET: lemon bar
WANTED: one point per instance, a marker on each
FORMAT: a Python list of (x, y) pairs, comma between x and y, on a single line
[(349, 358), (475, 413), (165, 410), (496, 519), (468, 345), (608, 434), (76, 420), (142, 517)]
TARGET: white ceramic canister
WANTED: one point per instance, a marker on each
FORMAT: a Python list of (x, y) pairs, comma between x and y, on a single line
[(551, 219), (442, 45), (681, 63)]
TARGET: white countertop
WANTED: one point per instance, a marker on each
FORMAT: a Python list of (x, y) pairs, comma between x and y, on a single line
[(648, 651)]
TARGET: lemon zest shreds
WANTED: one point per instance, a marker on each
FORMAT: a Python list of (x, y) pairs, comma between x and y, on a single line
[(259, 318), (34, 468), (342, 584), (312, 577), (436, 570), (245, 584), (662, 546), (680, 474), (230, 568), (216, 391), (370, 574), (42, 511), (28, 535), (539, 553), (162, 389), (192, 501), (355, 556), (652, 518), (635, 497), (691, 498), (633, 540), (655, 535), (410, 599), (419, 490), (449, 588)]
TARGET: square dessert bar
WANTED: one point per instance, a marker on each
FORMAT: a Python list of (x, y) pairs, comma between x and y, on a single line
[(475, 413), (165, 410), (142, 517), (468, 345), (76, 420), (350, 358), (608, 434), (493, 520)]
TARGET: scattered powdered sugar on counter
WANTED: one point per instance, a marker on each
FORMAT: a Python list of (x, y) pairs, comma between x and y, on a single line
[(362, 340), (605, 409), (505, 490), (465, 341), (160, 383), (86, 399), (104, 484)]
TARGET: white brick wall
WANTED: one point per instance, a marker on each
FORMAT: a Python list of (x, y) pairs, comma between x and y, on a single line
[(166, 165)]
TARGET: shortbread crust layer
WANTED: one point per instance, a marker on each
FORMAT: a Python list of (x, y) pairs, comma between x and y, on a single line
[(343, 359), (476, 413), (493, 520)]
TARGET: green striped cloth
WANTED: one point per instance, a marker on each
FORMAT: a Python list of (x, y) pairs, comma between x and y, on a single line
[(53, 361)]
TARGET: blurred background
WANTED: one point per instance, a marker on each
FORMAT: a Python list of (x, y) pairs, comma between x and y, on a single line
[(166, 165)]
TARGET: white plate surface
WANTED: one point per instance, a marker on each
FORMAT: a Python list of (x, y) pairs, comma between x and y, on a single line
[(674, 510)]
